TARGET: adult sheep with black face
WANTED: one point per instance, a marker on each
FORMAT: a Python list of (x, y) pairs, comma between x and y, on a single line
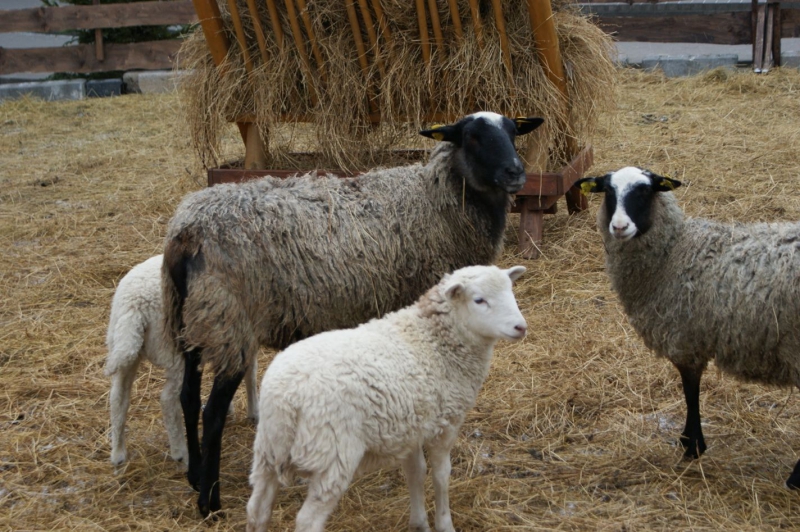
[(697, 290), (272, 261)]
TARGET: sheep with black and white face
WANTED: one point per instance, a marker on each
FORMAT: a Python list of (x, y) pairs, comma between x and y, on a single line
[(697, 290)]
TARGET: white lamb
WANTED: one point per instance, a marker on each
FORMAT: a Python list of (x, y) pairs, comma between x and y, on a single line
[(346, 402), (135, 333)]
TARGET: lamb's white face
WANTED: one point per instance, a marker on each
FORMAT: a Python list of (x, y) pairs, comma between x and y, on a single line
[(483, 298), (626, 186)]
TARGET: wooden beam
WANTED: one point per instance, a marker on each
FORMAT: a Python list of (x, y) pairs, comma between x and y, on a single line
[(422, 22), (56, 19), (213, 29), (720, 28), (98, 38), (531, 229), (152, 55)]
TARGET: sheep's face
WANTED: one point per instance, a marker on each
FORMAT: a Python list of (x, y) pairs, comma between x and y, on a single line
[(629, 199), (484, 303), (486, 156)]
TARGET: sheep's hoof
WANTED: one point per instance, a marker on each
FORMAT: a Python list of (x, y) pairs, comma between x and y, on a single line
[(194, 480), (209, 514), (694, 448), (118, 459)]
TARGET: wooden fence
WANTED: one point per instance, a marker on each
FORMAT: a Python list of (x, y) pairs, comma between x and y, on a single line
[(761, 23), (100, 56)]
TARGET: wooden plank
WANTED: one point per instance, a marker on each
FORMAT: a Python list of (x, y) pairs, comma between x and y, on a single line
[(790, 23), (213, 29), (500, 24), (531, 226), (721, 28), (240, 37), (55, 19), (776, 36), (575, 170), (770, 22), (541, 184), (758, 51), (152, 55)]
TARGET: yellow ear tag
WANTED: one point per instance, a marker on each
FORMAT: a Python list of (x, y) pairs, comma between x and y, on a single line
[(587, 187), (438, 136), (667, 183)]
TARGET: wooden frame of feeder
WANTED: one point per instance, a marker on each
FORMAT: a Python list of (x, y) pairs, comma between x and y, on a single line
[(541, 190)]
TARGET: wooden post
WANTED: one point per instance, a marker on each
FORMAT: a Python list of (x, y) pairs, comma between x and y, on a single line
[(218, 44), (546, 41), (99, 52), (531, 225)]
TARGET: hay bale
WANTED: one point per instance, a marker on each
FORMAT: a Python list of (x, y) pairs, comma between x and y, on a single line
[(329, 105)]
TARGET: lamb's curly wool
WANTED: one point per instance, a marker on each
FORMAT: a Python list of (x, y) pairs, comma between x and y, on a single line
[(696, 290), (321, 253), (135, 333), (347, 402)]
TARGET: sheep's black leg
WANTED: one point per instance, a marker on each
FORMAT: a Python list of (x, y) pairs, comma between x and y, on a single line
[(794, 478), (213, 423), (692, 437), (190, 402)]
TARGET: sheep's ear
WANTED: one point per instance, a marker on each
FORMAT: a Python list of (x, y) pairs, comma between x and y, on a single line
[(589, 185), (527, 124), (661, 183), (515, 272), (453, 290), (440, 132)]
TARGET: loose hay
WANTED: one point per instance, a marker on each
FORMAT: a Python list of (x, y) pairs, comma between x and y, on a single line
[(576, 427), (462, 77)]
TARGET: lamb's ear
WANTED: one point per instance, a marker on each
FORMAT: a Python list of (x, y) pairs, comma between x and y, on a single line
[(515, 272), (661, 183), (589, 185), (451, 133), (453, 290), (527, 124)]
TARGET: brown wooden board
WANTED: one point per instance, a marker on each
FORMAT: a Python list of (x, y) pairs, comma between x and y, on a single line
[(790, 23), (152, 55), (55, 19), (717, 28)]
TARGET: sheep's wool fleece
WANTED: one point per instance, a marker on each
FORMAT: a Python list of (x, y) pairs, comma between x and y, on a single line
[(389, 385), (697, 290), (282, 259), (136, 320)]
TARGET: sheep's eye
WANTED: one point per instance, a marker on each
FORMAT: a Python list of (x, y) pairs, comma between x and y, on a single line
[(480, 301)]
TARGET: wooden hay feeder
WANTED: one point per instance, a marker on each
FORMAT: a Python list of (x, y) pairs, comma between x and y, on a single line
[(542, 189)]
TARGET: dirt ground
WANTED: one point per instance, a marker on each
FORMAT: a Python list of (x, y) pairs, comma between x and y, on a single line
[(576, 427)]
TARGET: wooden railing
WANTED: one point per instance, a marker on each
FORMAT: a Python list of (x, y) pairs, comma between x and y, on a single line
[(760, 23), (100, 56)]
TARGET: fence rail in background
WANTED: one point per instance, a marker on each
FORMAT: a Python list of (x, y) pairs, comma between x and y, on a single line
[(97, 57), (761, 24)]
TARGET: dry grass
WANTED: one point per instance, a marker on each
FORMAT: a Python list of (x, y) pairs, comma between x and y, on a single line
[(576, 427), (461, 77)]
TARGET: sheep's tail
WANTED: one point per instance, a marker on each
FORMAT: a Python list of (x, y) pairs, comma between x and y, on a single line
[(124, 339), (178, 252)]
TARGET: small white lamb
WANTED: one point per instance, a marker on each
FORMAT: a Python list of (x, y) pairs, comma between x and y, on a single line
[(346, 402), (135, 333)]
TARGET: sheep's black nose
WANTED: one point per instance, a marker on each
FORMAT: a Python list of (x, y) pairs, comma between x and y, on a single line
[(515, 169)]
